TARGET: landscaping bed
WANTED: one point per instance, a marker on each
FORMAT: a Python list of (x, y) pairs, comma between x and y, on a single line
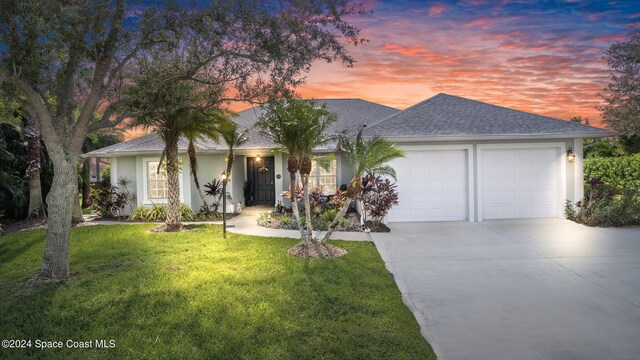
[(351, 222), (195, 295)]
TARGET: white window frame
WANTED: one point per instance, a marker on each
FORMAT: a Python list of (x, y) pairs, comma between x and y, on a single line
[(145, 179), (314, 181)]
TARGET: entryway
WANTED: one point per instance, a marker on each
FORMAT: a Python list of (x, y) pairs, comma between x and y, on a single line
[(261, 174)]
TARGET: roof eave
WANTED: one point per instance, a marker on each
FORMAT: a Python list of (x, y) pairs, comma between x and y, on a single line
[(414, 138)]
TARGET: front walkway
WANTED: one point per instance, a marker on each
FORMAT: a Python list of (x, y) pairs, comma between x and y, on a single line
[(519, 289)]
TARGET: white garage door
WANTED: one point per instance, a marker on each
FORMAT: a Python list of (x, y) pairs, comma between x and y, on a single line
[(432, 186), (520, 183)]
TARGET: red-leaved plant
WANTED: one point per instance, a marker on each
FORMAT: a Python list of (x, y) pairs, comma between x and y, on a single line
[(378, 196)]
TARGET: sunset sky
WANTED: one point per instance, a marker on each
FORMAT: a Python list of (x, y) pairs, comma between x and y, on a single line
[(538, 56)]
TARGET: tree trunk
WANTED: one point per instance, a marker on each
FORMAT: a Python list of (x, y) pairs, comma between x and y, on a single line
[(193, 162), (173, 184), (76, 216), (60, 201), (36, 203), (227, 173), (294, 205), (307, 208), (86, 183), (224, 208), (335, 221)]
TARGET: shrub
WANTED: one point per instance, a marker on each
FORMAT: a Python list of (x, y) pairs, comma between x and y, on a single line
[(106, 200), (347, 224), (286, 220), (214, 189), (158, 212), (604, 206), (186, 214), (378, 196), (329, 214), (317, 199), (265, 219), (140, 213), (339, 198), (622, 173)]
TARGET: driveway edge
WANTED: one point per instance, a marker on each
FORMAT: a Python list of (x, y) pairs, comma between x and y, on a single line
[(407, 299)]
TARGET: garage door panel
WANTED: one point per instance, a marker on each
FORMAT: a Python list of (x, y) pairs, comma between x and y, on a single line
[(520, 183), (432, 186)]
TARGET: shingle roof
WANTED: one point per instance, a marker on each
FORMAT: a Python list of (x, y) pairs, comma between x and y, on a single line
[(453, 116), (353, 113)]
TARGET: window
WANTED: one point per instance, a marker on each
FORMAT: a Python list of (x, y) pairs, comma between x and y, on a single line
[(326, 180), (156, 181)]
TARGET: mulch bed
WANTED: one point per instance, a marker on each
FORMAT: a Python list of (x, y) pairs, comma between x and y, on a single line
[(316, 251), (178, 228), (382, 228), (35, 224)]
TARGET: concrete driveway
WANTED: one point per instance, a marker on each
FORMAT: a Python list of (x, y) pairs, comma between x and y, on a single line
[(520, 289)]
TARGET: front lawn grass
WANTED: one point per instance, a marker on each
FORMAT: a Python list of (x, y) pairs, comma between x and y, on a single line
[(194, 295)]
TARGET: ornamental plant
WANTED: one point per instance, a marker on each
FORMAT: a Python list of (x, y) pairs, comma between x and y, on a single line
[(378, 196)]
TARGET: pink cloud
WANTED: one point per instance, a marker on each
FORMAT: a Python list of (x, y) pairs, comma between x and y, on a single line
[(437, 9), (482, 23)]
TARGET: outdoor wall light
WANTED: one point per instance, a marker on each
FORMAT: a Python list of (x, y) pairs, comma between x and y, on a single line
[(258, 158), (571, 156)]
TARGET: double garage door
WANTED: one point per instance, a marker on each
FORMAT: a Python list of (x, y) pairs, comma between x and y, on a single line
[(502, 183)]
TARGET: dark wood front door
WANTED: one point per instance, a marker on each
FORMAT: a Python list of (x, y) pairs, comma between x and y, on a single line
[(261, 173)]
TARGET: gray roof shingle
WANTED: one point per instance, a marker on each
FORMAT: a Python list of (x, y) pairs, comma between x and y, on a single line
[(352, 113), (452, 116)]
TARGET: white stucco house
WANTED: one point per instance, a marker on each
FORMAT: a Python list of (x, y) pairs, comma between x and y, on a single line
[(466, 161)]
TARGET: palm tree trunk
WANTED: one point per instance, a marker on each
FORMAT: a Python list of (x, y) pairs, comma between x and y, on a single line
[(224, 192), (193, 162), (294, 204), (307, 208), (173, 184), (334, 223), (36, 203)]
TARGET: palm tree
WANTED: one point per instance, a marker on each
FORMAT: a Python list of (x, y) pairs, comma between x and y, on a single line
[(279, 124), (315, 123), (203, 129), (170, 127), (371, 155), (233, 137), (297, 126)]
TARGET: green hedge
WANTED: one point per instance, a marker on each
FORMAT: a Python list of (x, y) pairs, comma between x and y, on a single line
[(619, 172)]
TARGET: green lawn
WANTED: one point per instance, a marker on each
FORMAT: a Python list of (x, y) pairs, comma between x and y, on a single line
[(196, 295)]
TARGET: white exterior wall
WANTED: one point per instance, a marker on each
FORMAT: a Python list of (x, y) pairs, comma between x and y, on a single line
[(571, 174), (210, 166)]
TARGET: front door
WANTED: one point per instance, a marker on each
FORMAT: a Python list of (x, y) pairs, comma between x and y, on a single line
[(261, 173)]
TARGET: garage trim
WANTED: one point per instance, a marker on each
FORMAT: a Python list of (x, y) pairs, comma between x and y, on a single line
[(562, 161), (470, 169)]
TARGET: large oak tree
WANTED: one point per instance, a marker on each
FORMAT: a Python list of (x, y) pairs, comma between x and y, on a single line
[(72, 59)]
